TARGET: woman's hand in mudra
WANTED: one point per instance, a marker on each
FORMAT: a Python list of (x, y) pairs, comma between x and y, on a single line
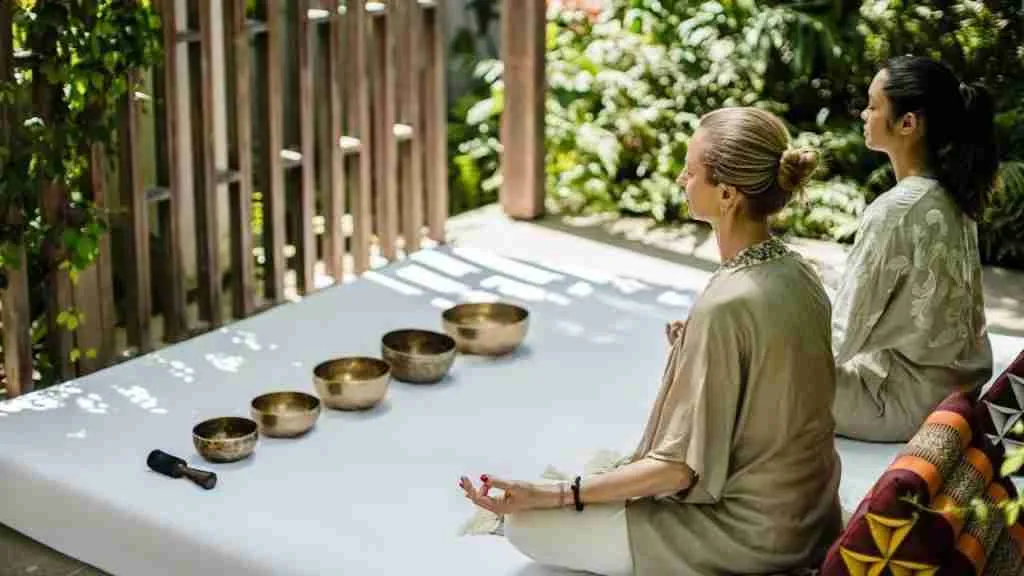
[(674, 329), (515, 497)]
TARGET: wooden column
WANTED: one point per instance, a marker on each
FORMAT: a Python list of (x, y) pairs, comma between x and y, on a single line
[(16, 315), (385, 150), (522, 125), (305, 240), (408, 28), (203, 133), (360, 128), (270, 129), (434, 115), (237, 53), (168, 173), (334, 178), (94, 294), (136, 225)]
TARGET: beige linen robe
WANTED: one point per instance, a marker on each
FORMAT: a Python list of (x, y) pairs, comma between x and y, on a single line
[(745, 403), (909, 321)]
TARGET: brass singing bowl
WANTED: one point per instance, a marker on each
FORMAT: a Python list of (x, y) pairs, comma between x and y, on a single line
[(419, 356), (352, 383), (486, 328), (285, 414), (225, 439)]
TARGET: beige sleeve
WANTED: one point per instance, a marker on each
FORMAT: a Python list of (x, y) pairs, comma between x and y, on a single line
[(698, 411), (876, 266)]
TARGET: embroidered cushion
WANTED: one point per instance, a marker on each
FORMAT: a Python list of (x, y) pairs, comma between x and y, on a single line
[(908, 523), (1000, 407)]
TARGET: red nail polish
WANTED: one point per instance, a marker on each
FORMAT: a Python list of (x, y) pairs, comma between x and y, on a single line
[(484, 478)]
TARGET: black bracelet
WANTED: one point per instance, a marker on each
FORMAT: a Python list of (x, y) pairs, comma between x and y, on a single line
[(576, 494)]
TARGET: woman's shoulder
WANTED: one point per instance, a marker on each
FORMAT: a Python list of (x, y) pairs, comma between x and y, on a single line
[(901, 199), (911, 201), (916, 202), (788, 276)]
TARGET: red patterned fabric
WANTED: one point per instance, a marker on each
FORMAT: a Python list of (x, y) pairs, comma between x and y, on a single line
[(953, 459)]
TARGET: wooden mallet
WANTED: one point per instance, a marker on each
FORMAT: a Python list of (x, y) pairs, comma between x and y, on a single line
[(164, 463)]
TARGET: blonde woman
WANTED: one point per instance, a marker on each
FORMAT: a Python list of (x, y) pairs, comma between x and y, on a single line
[(736, 471)]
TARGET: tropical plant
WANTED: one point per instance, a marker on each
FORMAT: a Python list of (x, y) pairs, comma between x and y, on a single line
[(627, 85)]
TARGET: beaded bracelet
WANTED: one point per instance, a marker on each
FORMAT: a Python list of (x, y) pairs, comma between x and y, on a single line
[(576, 494)]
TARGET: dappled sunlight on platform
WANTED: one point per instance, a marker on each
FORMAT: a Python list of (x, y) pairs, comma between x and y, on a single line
[(48, 399), (432, 280), (507, 266)]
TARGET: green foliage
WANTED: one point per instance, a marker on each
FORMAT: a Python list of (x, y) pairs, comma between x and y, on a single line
[(1001, 233), (830, 210), (626, 89), (74, 66)]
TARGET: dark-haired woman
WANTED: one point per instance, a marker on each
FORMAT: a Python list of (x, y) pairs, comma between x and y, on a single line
[(909, 318)]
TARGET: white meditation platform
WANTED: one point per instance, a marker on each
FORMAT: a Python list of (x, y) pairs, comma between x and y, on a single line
[(364, 492)]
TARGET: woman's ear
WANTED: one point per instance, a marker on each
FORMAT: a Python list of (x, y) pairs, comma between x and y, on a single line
[(728, 197), (909, 123)]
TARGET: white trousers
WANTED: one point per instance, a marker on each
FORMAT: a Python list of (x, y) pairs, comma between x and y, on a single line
[(595, 540)]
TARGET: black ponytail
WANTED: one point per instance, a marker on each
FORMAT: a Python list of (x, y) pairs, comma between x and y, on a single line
[(959, 127)]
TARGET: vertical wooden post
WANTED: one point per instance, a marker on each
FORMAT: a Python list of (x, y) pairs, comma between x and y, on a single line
[(271, 138), (357, 83), (203, 133), (49, 107), (305, 241), (17, 336), (334, 181), (385, 152), (136, 232), (94, 294), (239, 105), (102, 197), (522, 125), (17, 320), (168, 166), (407, 89), (435, 125)]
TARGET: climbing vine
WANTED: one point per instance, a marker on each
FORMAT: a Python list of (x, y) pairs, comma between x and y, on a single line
[(72, 67)]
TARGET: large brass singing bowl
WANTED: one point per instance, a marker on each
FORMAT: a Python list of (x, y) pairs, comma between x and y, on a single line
[(285, 414), (488, 329), (352, 383), (225, 439), (419, 356)]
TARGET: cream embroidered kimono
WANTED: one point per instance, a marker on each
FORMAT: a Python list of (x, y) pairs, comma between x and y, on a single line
[(745, 403), (909, 318)]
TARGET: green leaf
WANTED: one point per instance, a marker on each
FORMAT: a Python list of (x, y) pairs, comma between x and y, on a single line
[(980, 509), (91, 353), (75, 355), (1012, 511), (1012, 463)]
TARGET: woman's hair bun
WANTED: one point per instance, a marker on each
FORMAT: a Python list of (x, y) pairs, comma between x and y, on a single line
[(795, 169)]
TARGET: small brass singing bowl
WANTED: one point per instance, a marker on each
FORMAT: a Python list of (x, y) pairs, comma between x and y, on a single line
[(225, 439), (486, 328), (418, 356), (352, 383), (285, 414)]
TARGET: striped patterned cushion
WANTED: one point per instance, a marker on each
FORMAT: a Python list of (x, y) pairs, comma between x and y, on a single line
[(904, 526)]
